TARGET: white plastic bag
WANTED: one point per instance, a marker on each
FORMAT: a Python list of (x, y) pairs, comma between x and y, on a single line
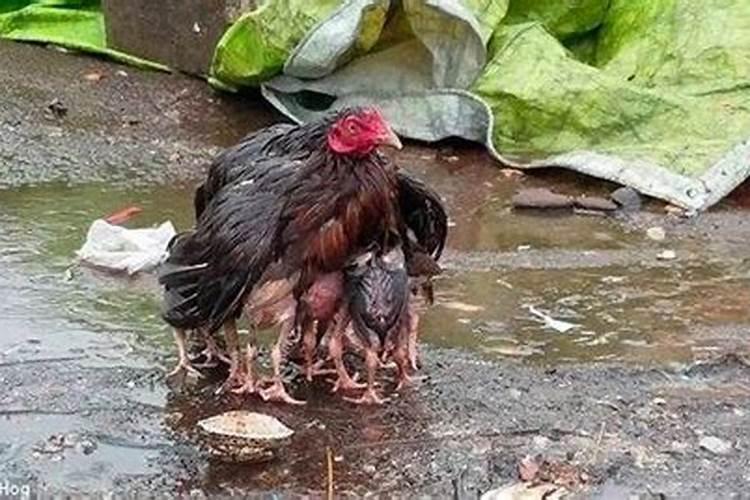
[(121, 249)]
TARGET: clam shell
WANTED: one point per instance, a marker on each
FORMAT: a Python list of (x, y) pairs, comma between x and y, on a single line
[(246, 425)]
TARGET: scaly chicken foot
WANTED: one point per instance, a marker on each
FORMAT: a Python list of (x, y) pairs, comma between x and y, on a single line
[(212, 354), (370, 396), (344, 381), (184, 366), (250, 382), (236, 375), (277, 392), (412, 342)]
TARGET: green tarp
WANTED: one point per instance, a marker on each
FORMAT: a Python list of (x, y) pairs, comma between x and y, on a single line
[(76, 24), (654, 94)]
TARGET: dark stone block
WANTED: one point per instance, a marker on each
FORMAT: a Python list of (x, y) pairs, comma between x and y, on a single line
[(179, 33)]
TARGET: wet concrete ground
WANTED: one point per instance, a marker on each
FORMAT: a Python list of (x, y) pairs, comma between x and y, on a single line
[(82, 354)]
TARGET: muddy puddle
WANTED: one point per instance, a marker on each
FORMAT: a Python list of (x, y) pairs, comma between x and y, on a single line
[(511, 280), (506, 273)]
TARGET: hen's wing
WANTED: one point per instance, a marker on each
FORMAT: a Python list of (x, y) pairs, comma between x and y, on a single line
[(423, 213), (242, 161), (212, 269)]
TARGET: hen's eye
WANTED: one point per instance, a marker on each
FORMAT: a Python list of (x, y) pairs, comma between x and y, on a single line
[(352, 128)]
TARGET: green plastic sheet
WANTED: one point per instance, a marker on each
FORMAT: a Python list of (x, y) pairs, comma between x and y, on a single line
[(654, 94), (75, 24)]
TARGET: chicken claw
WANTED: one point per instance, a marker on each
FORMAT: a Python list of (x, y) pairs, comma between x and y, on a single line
[(212, 354), (184, 367), (346, 383), (277, 393), (369, 397)]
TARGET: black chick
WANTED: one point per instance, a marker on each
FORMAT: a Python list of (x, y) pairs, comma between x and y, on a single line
[(378, 291)]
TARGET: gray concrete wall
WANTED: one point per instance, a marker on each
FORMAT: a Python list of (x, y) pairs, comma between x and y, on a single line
[(179, 33)]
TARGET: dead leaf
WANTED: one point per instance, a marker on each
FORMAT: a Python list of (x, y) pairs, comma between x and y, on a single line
[(528, 469), (524, 491)]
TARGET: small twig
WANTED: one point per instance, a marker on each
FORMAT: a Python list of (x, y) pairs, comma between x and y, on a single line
[(597, 444), (608, 404), (33, 411), (329, 461), (448, 437)]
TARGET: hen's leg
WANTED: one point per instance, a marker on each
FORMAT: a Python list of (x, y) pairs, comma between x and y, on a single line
[(277, 391), (212, 353), (250, 384), (183, 361), (236, 368), (370, 396), (413, 337), (336, 350)]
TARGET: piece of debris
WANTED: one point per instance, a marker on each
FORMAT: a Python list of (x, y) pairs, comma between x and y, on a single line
[(130, 120), (120, 249), (678, 447), (93, 76), (246, 425), (524, 491), (667, 255), (540, 442), (461, 306), (715, 445), (656, 233), (539, 471), (243, 436), (85, 446), (550, 322), (510, 173), (522, 351), (540, 198), (674, 210), (123, 215), (595, 203), (528, 469), (627, 198), (57, 109)]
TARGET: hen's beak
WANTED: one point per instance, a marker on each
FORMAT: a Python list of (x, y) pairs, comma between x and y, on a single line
[(390, 138)]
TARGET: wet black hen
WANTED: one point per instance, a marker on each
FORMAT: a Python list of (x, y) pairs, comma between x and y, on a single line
[(309, 210)]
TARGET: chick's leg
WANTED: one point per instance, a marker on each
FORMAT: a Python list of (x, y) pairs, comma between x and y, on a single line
[(309, 342), (183, 361), (336, 350), (401, 357), (312, 340), (370, 396), (277, 392)]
